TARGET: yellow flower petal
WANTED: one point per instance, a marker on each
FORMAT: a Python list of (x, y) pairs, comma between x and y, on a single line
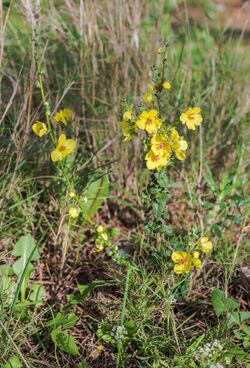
[(63, 116), (70, 145), (166, 85), (56, 156), (73, 212), (61, 139), (39, 128)]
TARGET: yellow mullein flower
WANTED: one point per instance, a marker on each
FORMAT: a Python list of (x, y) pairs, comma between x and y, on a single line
[(100, 347), (160, 145), (166, 85), (178, 145), (127, 115), (99, 245), (64, 148), (154, 161), (204, 244), (148, 97), (100, 229), (191, 118), (39, 128), (63, 116), (149, 121), (73, 212), (159, 50), (183, 262), (126, 131), (71, 194), (196, 261)]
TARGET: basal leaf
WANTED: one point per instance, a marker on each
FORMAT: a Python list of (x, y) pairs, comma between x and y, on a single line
[(13, 362), (37, 294), (237, 317), (61, 320), (25, 247), (221, 304), (64, 341)]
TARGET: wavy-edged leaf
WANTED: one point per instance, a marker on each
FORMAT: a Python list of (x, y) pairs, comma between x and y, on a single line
[(64, 341)]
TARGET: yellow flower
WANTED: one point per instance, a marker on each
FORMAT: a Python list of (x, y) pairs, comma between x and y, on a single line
[(39, 128), (160, 145), (64, 148), (100, 347), (149, 121), (73, 212), (100, 229), (166, 85), (159, 50), (127, 115), (148, 97), (178, 145), (205, 245), (183, 262), (126, 131), (99, 245), (155, 161), (63, 116), (72, 194), (196, 261), (85, 199), (191, 118)]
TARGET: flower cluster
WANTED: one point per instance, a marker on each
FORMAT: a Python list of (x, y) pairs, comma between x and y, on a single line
[(119, 333), (64, 146), (184, 260), (162, 139), (101, 239), (210, 353), (209, 349)]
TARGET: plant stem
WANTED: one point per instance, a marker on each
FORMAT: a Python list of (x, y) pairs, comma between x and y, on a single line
[(119, 343), (47, 116)]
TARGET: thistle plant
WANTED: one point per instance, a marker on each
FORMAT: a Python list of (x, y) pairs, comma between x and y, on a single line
[(163, 145)]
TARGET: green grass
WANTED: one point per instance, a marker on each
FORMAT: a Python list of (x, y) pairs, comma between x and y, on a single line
[(94, 57)]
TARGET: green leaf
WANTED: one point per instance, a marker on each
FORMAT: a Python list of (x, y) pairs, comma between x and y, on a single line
[(24, 248), (209, 179), (7, 286), (64, 341), (61, 320), (13, 362), (237, 317), (96, 193), (237, 353), (84, 291), (216, 230), (37, 294), (246, 343), (221, 304), (246, 330), (19, 267)]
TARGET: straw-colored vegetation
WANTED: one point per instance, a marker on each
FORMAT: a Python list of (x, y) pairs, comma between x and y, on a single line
[(124, 186)]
